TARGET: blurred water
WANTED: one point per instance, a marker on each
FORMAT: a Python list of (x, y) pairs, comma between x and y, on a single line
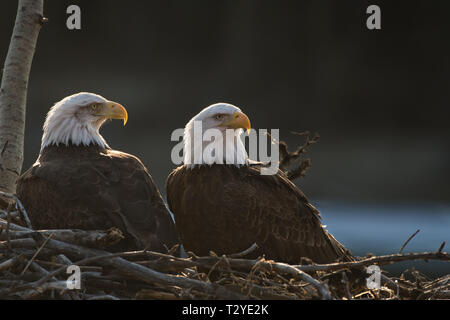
[(382, 229)]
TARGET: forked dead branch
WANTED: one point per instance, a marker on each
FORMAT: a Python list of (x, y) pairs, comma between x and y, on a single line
[(292, 162)]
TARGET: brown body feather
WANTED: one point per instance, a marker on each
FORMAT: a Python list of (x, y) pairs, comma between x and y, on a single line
[(95, 188), (226, 209)]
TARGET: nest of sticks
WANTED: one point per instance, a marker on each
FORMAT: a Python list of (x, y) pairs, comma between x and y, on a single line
[(34, 264)]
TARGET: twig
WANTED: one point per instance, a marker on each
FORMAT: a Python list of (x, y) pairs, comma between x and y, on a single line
[(62, 259), (4, 214), (81, 262), (381, 260), (103, 297), (244, 253), (19, 206), (8, 226), (407, 241), (38, 290), (42, 272), (247, 265), (287, 157), (394, 283), (5, 265), (14, 226), (94, 238), (37, 252), (346, 286), (441, 247), (21, 209), (57, 265)]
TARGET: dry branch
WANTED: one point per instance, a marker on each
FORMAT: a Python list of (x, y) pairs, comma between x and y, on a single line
[(291, 162), (5, 265), (379, 260), (408, 240), (96, 238)]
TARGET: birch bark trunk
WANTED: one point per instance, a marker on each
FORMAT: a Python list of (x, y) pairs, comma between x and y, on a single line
[(13, 91)]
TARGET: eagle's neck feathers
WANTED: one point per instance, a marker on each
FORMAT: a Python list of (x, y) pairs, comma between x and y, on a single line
[(197, 153), (65, 130)]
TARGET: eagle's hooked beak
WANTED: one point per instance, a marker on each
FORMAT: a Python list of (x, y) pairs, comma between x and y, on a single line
[(114, 110), (238, 120)]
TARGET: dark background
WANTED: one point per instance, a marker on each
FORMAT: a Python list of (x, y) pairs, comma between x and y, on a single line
[(379, 99)]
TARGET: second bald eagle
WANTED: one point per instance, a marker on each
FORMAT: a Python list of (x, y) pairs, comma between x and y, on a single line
[(221, 202)]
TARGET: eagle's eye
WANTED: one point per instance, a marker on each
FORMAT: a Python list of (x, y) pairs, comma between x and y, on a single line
[(94, 107), (218, 117)]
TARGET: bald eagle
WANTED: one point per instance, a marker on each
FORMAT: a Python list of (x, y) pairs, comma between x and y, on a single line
[(79, 182), (226, 207)]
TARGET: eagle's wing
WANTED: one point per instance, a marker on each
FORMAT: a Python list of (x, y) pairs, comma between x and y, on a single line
[(98, 193), (286, 225), (226, 209)]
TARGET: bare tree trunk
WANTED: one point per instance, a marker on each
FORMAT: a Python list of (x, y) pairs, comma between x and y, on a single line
[(13, 92)]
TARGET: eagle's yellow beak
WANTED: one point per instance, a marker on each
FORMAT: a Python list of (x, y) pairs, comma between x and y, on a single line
[(238, 120), (114, 110)]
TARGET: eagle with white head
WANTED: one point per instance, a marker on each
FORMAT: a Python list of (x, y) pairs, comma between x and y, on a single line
[(77, 120), (217, 118), (79, 182), (225, 205)]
